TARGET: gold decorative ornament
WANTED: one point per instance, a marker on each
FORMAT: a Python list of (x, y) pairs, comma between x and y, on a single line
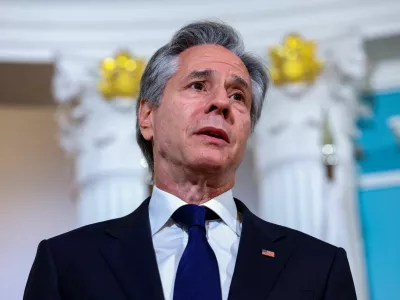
[(120, 76), (294, 61)]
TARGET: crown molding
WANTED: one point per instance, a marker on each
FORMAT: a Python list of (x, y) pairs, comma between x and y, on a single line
[(35, 32), (380, 180), (39, 32)]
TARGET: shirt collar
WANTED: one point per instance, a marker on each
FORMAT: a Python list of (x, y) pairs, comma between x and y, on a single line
[(163, 204)]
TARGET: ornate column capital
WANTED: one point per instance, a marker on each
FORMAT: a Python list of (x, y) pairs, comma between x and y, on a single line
[(100, 134), (296, 114)]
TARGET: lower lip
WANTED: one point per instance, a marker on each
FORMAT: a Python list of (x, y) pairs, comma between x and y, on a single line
[(212, 139)]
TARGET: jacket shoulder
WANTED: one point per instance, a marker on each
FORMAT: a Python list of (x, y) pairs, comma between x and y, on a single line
[(304, 243), (83, 235), (88, 236), (302, 240)]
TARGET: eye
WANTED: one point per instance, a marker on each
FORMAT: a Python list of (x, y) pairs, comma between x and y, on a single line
[(200, 86), (238, 97)]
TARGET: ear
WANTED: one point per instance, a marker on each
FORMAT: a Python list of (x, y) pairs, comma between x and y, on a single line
[(145, 119)]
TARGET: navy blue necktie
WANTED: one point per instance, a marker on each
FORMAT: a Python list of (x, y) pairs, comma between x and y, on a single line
[(197, 277)]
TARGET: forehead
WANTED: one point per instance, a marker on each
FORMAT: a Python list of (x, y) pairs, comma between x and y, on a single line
[(213, 57)]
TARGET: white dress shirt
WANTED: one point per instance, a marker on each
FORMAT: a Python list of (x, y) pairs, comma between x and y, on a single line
[(170, 240)]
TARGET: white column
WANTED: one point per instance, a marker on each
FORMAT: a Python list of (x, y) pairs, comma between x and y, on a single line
[(100, 136), (295, 189)]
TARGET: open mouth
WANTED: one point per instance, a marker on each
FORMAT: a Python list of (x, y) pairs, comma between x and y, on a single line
[(215, 133)]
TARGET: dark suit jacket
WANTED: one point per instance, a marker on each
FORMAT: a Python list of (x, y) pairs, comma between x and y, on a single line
[(115, 260)]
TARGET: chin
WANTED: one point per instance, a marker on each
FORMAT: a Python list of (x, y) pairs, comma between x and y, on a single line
[(209, 163)]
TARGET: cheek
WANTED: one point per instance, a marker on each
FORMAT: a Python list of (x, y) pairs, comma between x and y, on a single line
[(162, 124), (243, 134), (245, 127), (173, 122)]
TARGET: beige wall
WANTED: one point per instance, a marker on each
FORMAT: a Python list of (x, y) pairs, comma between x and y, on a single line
[(35, 192)]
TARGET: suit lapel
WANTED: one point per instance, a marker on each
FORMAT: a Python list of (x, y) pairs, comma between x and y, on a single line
[(255, 274), (130, 254)]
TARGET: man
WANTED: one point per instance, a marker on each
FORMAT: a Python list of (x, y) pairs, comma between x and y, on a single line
[(201, 96)]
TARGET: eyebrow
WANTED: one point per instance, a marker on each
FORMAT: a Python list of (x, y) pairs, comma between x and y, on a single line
[(240, 81), (207, 73), (201, 74)]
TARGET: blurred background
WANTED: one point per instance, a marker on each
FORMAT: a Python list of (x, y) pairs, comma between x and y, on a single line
[(324, 159)]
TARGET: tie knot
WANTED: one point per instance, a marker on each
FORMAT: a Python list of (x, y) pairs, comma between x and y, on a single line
[(193, 215)]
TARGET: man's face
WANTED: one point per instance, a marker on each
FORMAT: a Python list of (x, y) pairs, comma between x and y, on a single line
[(203, 121)]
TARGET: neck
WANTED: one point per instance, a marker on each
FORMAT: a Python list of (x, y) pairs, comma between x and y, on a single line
[(190, 186)]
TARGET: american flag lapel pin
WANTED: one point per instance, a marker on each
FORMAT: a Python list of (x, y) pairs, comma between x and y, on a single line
[(268, 253)]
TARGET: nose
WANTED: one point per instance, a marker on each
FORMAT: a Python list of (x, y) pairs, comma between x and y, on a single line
[(220, 104)]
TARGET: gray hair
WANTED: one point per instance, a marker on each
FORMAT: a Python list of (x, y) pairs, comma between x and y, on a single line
[(165, 62)]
